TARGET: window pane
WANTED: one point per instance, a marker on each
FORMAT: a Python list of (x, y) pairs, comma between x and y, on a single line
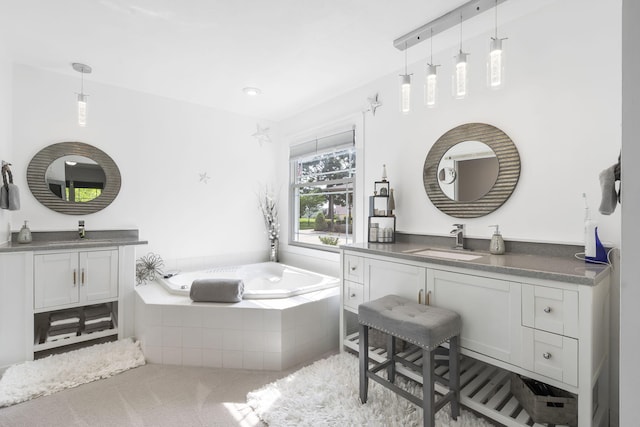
[(323, 198)]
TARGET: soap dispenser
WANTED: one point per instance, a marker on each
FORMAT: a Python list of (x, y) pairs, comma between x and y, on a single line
[(24, 236), (496, 246)]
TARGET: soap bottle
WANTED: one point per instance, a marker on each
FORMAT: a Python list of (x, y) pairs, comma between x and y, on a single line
[(594, 251), (81, 230), (24, 236), (496, 246)]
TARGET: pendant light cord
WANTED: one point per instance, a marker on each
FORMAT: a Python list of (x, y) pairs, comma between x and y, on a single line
[(405, 58), (496, 8), (461, 32), (431, 41)]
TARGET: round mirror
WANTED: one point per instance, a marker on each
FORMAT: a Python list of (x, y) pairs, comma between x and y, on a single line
[(467, 171), (471, 170), (73, 178)]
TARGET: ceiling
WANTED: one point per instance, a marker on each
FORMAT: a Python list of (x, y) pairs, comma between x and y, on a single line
[(298, 52)]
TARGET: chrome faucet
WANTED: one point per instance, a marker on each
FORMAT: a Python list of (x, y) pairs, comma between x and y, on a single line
[(458, 233)]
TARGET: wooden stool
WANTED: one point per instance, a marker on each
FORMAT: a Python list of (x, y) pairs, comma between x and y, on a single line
[(422, 325)]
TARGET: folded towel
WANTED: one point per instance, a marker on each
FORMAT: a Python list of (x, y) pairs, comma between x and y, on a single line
[(217, 290), (63, 329), (609, 195), (100, 319), (51, 338), (96, 312), (70, 320), (98, 326)]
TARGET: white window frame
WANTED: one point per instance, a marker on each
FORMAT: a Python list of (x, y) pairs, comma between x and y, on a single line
[(334, 143)]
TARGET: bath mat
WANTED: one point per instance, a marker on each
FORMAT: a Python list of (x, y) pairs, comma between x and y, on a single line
[(51, 374), (326, 394)]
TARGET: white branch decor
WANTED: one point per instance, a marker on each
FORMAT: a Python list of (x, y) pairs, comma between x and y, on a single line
[(262, 134), (269, 207)]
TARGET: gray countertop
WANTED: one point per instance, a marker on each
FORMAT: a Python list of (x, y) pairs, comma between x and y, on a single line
[(561, 268), (56, 240)]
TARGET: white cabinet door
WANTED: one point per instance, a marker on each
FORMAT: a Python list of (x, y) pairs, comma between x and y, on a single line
[(385, 278), (98, 275), (490, 311), (55, 279)]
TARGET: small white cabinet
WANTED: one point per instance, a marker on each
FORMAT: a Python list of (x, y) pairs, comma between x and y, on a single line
[(62, 279)]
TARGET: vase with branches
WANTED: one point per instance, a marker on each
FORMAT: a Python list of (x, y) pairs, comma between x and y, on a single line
[(268, 204)]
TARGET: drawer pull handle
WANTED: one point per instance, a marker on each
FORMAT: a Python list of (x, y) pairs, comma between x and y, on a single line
[(82, 280), (353, 295), (546, 355), (428, 302), (547, 309), (420, 296), (353, 268), (74, 277)]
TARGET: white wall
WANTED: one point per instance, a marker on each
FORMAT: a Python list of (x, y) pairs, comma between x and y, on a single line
[(629, 286), (5, 131), (561, 107), (161, 147)]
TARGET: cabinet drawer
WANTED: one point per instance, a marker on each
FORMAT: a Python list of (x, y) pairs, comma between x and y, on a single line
[(353, 295), (550, 309), (353, 268), (554, 356)]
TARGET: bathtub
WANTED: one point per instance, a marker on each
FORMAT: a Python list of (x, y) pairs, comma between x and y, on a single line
[(266, 280)]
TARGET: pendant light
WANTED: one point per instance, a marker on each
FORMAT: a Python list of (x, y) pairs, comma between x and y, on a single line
[(431, 81), (495, 59), (82, 97), (460, 71), (405, 87)]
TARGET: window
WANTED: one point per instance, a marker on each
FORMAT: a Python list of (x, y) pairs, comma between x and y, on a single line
[(323, 175)]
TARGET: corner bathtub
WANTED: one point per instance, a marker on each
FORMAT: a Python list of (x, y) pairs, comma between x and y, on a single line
[(267, 280)]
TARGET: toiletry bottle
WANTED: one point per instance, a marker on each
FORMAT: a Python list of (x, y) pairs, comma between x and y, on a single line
[(594, 251), (496, 246), (24, 236), (81, 231)]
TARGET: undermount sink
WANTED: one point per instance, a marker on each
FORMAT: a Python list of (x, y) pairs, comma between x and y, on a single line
[(459, 256), (76, 242)]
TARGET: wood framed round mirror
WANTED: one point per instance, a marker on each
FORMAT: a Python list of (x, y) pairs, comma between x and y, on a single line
[(471, 170), (73, 178)]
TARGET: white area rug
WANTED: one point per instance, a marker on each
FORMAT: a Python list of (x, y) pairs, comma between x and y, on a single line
[(326, 394), (54, 373)]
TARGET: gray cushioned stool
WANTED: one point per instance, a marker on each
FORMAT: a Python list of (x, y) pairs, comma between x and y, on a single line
[(422, 325)]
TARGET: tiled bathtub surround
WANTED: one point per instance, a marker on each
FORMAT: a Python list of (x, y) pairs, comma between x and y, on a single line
[(258, 334)]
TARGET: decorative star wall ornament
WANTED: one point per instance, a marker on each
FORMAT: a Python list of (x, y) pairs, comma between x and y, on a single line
[(374, 103), (262, 134), (204, 177)]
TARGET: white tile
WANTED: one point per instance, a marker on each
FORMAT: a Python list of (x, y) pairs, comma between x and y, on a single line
[(153, 315), (171, 336), (272, 361), (152, 336), (252, 360), (212, 338), (192, 316), (272, 320), (288, 340), (232, 339), (273, 342), (171, 355), (192, 337), (212, 317), (253, 340), (232, 318), (253, 319), (211, 358), (192, 357), (152, 354), (171, 316), (232, 359)]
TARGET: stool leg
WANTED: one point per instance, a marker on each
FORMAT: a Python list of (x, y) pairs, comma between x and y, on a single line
[(454, 376), (391, 351), (363, 359), (428, 389)]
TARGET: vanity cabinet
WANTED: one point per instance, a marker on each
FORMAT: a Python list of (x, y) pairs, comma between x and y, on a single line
[(552, 331), (62, 279)]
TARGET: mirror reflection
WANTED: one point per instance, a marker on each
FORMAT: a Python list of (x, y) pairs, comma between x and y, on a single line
[(467, 171), (75, 178)]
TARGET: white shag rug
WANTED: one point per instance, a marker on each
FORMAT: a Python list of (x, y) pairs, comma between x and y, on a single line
[(51, 374), (327, 394)]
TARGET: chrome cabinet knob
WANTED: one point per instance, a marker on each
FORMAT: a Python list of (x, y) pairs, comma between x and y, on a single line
[(546, 355), (547, 309)]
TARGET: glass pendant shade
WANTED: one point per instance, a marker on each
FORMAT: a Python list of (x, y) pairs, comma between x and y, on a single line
[(405, 93), (82, 110), (431, 87), (460, 75), (495, 64)]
